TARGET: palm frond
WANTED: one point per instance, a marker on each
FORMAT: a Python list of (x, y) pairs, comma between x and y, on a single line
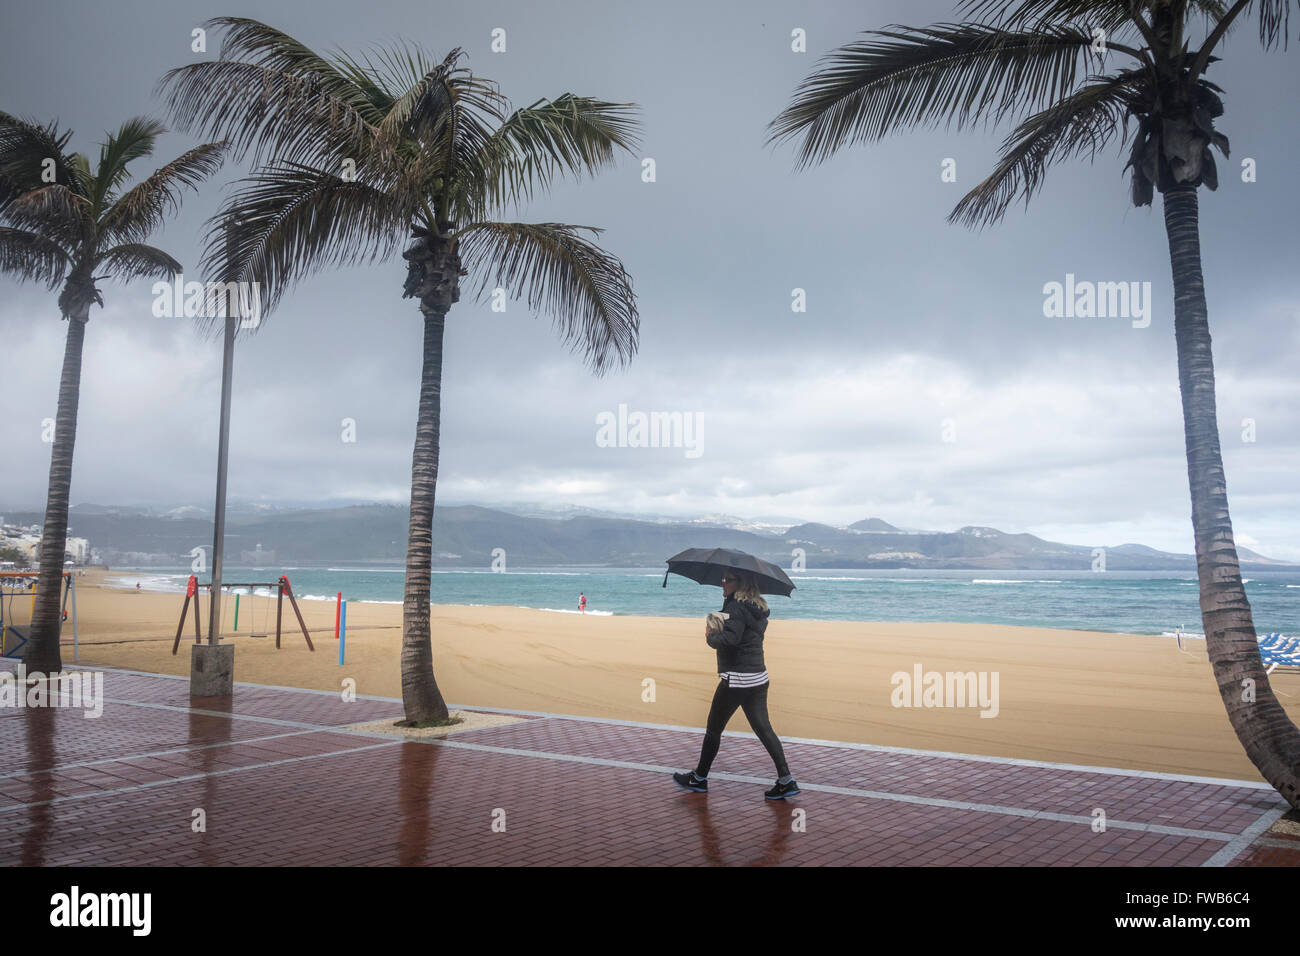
[(436, 114), (288, 220), (25, 147), (134, 139), (141, 209), (133, 260), (252, 41), (380, 86), (409, 95), (569, 134), (31, 257), (954, 74), (585, 289), (1085, 121), (452, 126), (1109, 15), (83, 178), (1274, 21), (55, 211), (272, 97)]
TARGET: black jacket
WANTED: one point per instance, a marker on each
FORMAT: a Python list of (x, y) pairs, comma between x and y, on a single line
[(740, 642)]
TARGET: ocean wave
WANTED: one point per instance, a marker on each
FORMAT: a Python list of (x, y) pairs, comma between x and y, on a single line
[(558, 574), (1012, 581), (800, 576), (574, 574), (1199, 637), (165, 584), (561, 610), (525, 607)]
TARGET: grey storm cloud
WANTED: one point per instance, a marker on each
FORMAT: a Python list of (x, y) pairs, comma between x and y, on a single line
[(914, 328)]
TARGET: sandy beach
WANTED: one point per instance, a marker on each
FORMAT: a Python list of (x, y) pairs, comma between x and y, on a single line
[(1069, 696)]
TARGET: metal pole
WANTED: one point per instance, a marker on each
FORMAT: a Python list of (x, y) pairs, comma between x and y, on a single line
[(223, 452), (75, 649), (343, 629)]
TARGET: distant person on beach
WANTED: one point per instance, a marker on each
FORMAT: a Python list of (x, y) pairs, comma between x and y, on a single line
[(737, 635), (137, 585), (582, 603)]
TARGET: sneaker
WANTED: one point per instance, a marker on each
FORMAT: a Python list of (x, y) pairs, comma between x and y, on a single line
[(688, 781), (782, 790)]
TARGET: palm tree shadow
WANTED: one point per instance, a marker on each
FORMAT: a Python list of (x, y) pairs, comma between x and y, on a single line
[(39, 724), (415, 796)]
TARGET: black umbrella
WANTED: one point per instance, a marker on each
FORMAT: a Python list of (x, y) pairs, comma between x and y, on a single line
[(705, 565)]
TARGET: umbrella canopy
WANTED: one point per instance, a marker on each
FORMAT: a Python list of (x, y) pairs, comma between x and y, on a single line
[(705, 565)]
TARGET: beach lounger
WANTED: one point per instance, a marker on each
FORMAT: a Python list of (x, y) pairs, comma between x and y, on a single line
[(1281, 660), (1277, 650), (1278, 644)]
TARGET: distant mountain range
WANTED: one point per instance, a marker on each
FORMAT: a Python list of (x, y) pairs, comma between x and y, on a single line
[(467, 535)]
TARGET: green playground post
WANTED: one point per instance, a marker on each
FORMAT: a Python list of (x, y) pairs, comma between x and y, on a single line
[(236, 627)]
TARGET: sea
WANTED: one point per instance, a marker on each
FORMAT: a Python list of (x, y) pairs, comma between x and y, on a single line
[(1126, 602)]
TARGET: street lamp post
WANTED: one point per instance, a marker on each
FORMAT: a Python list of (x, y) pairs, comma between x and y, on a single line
[(223, 460), (212, 665)]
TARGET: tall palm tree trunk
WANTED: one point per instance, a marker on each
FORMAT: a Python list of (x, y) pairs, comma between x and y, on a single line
[(433, 276), (1271, 740), (42, 653)]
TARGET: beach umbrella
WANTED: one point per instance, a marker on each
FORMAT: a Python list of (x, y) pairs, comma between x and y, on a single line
[(706, 565)]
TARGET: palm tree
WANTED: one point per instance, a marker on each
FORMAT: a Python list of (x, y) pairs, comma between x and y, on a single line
[(61, 223), (1030, 62), (355, 155)]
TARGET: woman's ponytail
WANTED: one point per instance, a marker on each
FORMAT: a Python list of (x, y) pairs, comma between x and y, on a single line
[(748, 592)]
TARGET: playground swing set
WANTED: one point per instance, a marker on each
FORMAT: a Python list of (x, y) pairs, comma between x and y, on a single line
[(282, 590), (15, 626)]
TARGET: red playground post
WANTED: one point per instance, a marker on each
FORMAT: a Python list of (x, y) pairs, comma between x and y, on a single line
[(338, 609)]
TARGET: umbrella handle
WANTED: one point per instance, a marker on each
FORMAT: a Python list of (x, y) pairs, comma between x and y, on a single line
[(666, 573)]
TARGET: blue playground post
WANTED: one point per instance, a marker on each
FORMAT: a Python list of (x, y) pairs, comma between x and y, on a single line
[(72, 584), (343, 629)]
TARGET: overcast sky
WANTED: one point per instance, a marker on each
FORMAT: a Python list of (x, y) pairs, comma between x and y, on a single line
[(1068, 428)]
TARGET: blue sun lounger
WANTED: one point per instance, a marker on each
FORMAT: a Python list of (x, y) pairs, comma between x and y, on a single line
[(1279, 651), (1278, 643)]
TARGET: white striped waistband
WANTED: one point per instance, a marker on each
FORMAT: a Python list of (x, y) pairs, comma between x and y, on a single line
[(741, 680)]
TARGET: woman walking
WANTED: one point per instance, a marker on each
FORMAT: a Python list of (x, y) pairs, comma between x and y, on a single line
[(743, 683)]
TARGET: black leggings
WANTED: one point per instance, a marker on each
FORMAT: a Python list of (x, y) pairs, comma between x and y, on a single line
[(754, 702)]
